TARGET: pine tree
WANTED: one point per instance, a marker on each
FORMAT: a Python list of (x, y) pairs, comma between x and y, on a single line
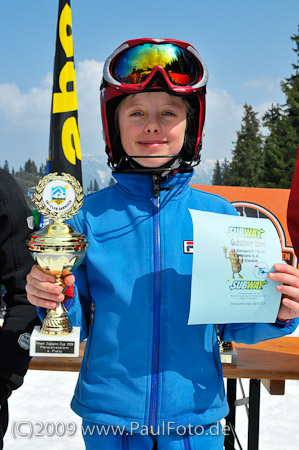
[(96, 186), (290, 87), (90, 188), (217, 179), (6, 165), (225, 172), (246, 168), (42, 169), (281, 145), (27, 177), (279, 149), (111, 182), (30, 167)]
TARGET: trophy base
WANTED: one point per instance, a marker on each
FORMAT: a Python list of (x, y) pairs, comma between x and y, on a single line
[(45, 345), (229, 357), (57, 322)]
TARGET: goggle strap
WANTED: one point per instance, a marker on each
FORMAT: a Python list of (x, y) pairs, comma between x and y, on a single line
[(187, 165), (205, 74), (106, 70)]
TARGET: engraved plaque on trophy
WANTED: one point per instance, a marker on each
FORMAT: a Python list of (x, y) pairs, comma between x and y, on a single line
[(228, 353), (56, 248)]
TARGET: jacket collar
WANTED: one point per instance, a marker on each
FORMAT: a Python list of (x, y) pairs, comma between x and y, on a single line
[(141, 185)]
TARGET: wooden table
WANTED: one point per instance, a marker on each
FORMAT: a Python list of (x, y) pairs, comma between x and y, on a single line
[(270, 362)]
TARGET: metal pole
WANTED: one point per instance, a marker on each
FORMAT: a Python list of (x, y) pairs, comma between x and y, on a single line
[(231, 391), (254, 414)]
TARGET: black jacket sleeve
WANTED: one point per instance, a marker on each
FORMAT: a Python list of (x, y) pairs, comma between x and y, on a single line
[(16, 224)]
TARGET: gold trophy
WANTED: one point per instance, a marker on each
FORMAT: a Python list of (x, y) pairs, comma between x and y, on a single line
[(228, 353), (56, 248)]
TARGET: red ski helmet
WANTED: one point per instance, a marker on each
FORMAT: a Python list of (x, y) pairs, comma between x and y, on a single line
[(142, 65)]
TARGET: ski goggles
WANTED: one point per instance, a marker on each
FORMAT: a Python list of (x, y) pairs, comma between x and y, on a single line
[(134, 64)]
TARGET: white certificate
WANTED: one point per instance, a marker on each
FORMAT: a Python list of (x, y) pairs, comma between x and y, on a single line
[(232, 257)]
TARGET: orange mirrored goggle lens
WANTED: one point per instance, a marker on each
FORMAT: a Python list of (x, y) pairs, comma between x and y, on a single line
[(135, 64)]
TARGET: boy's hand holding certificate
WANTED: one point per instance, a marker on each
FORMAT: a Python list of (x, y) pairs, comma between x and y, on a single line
[(232, 258)]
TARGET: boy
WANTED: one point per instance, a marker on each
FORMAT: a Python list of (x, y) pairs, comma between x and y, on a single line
[(144, 368)]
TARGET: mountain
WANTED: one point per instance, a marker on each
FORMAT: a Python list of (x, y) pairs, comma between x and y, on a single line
[(203, 173), (94, 167)]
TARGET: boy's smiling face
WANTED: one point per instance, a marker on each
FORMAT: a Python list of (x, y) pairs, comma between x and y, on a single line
[(152, 124)]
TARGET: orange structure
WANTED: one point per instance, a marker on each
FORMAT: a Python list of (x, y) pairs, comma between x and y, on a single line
[(264, 203)]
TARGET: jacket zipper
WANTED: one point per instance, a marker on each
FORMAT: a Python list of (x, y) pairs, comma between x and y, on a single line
[(125, 441), (186, 441), (91, 322), (156, 310)]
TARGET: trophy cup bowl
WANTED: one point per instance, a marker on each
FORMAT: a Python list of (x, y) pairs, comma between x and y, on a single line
[(56, 248)]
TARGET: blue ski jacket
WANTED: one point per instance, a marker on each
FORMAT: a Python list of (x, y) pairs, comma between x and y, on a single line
[(142, 362)]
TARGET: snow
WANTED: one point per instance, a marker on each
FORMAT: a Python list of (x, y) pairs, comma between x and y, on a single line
[(45, 397)]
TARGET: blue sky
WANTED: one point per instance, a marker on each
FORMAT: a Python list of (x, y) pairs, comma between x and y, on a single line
[(246, 45)]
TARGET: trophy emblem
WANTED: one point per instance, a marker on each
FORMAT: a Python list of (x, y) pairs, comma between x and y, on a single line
[(55, 248)]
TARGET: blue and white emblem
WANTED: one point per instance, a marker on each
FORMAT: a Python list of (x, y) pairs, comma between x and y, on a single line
[(58, 194)]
